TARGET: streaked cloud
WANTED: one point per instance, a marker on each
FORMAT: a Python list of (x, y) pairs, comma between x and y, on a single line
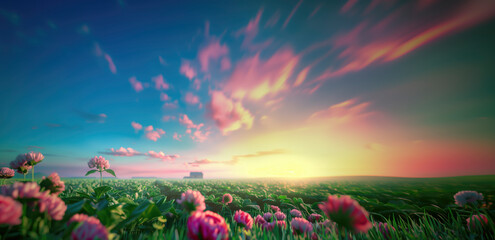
[(255, 78)]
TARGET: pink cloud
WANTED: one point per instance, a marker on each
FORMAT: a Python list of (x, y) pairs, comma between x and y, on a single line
[(250, 32), (170, 105), (123, 152), (164, 97), (187, 70), (162, 61), (200, 136), (177, 137), (292, 14), (348, 5), (229, 115), (162, 156), (314, 11), (136, 126), (111, 65), (344, 112), (396, 35), (184, 120), (255, 78), (150, 132), (197, 84), (137, 85), (225, 64), (273, 19), (213, 51), (192, 99), (168, 118), (160, 82), (154, 135)]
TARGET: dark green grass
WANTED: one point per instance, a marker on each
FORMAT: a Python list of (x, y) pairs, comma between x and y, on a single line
[(417, 208)]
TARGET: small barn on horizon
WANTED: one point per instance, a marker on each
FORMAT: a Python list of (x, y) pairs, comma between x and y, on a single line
[(194, 175)]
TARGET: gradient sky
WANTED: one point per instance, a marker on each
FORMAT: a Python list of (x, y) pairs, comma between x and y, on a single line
[(249, 88)]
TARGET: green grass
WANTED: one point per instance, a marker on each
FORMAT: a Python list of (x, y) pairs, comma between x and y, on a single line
[(417, 208)]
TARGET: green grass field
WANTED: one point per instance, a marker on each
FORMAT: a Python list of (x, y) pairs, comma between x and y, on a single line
[(147, 208)]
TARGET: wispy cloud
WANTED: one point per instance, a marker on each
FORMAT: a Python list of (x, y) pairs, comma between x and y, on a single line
[(250, 31), (111, 65), (344, 112), (206, 161), (162, 156), (395, 35), (122, 152), (91, 117), (259, 154), (287, 20)]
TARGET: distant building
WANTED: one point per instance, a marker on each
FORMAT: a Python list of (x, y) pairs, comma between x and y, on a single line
[(194, 175)]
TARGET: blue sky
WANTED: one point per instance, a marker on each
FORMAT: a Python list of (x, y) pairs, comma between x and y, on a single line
[(306, 85)]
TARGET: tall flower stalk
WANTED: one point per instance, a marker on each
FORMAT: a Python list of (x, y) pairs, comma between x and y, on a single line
[(101, 166), (33, 158)]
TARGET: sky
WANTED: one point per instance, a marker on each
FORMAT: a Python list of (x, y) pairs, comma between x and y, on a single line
[(250, 89)]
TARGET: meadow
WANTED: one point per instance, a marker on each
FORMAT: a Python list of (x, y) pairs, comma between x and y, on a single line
[(148, 208)]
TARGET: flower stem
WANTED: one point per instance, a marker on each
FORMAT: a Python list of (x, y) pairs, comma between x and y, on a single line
[(101, 181), (32, 176), (24, 176)]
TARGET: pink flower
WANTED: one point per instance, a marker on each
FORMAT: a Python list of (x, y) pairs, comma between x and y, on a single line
[(281, 224), (21, 164), (20, 190), (54, 206), (464, 197), (192, 201), (268, 226), (314, 236), (477, 221), (314, 217), (34, 158), (347, 213), (280, 215), (91, 228), (6, 173), (226, 199), (53, 183), (267, 216), (206, 226), (385, 229), (10, 211), (275, 208), (98, 163), (295, 213), (301, 226), (78, 218), (243, 219), (259, 221)]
